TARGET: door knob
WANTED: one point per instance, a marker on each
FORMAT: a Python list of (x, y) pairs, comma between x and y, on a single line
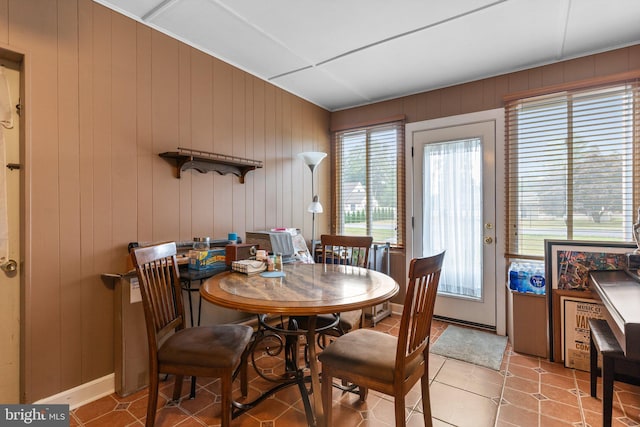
[(9, 266), (488, 240)]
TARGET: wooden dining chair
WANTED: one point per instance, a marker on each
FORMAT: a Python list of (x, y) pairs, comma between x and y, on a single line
[(345, 250), (206, 351), (382, 362)]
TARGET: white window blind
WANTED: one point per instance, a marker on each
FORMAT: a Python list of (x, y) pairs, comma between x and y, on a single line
[(369, 182), (572, 167)]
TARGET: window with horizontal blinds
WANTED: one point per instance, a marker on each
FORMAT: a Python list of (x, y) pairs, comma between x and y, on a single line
[(572, 167), (369, 182)]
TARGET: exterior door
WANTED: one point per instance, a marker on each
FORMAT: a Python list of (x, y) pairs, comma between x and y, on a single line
[(10, 280), (454, 209)]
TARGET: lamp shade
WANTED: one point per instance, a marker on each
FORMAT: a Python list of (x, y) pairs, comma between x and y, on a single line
[(315, 206), (312, 158)]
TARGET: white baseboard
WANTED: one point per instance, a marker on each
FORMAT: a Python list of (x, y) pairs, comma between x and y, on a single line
[(84, 393), (397, 308)]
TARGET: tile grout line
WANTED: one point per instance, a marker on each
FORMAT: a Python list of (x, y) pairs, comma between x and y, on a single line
[(579, 396), (504, 385), (540, 374)]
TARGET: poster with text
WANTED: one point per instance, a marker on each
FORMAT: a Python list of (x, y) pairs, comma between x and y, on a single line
[(575, 330)]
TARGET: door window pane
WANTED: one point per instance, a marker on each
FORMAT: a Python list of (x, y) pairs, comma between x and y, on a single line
[(452, 213)]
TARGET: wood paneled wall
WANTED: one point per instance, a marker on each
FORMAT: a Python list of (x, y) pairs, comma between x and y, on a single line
[(105, 95)]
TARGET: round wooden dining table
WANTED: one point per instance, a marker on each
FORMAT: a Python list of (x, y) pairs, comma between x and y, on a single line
[(302, 290)]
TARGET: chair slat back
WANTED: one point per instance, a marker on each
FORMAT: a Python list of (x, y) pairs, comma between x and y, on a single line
[(346, 250), (415, 325), (159, 279)]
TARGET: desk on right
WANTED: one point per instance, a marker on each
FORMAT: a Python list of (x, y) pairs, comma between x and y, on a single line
[(617, 338), (620, 296)]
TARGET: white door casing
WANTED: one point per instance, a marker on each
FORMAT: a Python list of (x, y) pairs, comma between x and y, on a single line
[(494, 271)]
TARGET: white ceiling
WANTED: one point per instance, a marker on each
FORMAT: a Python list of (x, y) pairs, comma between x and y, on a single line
[(343, 53)]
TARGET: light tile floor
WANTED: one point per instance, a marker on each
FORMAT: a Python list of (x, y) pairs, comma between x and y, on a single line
[(527, 391)]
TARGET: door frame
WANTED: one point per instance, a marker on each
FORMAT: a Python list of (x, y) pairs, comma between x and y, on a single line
[(12, 282), (496, 115), (21, 57)]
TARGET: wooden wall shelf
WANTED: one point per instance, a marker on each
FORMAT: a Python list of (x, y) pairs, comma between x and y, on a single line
[(204, 161)]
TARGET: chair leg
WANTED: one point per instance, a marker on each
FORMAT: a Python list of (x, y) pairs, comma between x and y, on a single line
[(190, 304), (225, 391), (244, 375), (363, 392), (177, 388), (426, 399), (192, 392), (399, 411), (593, 367), (608, 369), (327, 402), (152, 402)]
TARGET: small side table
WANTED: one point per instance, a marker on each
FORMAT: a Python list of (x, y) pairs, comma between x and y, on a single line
[(190, 281), (189, 277)]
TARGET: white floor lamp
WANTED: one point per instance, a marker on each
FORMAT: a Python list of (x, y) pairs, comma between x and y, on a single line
[(313, 159)]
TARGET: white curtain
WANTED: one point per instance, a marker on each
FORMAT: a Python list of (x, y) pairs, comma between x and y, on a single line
[(453, 213), (6, 120)]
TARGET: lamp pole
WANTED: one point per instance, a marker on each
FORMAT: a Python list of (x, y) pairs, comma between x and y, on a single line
[(314, 203), (313, 159), (313, 232)]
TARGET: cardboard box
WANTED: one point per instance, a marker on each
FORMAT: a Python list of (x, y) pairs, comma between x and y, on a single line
[(205, 260), (529, 324), (238, 251), (131, 352)]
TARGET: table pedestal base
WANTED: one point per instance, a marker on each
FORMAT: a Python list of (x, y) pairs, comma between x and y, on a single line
[(287, 339)]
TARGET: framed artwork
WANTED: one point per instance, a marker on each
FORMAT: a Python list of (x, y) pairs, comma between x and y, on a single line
[(567, 267), (576, 335), (569, 262)]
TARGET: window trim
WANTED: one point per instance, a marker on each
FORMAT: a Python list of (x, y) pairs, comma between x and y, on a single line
[(399, 121), (512, 100), (591, 83)]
